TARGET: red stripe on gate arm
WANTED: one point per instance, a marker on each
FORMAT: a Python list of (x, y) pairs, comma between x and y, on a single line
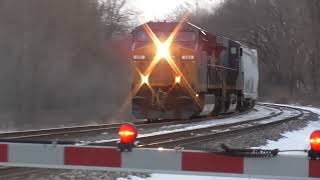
[(205, 162), (3, 152), (314, 168), (92, 156)]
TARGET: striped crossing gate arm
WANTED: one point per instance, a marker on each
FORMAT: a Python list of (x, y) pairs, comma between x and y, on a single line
[(3, 152), (155, 160)]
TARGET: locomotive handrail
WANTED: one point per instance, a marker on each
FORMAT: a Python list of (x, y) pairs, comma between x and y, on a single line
[(222, 67)]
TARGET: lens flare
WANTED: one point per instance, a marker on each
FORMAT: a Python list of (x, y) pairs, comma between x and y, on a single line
[(163, 51), (144, 79), (178, 79)]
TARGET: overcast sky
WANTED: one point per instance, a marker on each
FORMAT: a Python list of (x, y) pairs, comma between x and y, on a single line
[(159, 9)]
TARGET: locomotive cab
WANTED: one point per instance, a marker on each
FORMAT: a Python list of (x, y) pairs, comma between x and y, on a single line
[(168, 81), (181, 51)]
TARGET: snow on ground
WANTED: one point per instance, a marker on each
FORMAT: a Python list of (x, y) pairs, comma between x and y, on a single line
[(296, 140)]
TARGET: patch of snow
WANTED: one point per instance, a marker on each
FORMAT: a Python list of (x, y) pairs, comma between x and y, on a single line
[(295, 140)]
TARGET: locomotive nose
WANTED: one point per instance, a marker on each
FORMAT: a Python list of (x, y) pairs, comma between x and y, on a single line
[(163, 73)]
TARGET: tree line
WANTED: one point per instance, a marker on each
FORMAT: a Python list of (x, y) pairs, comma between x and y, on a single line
[(57, 62)]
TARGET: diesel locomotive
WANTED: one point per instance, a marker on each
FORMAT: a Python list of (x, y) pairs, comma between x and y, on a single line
[(181, 71)]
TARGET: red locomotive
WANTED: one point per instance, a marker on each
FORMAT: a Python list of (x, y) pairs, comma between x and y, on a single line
[(181, 70)]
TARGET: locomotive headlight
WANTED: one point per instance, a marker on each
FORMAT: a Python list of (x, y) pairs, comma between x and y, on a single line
[(187, 57), (163, 50), (144, 79), (178, 79)]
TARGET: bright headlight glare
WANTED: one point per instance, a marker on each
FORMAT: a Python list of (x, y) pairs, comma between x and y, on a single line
[(187, 57), (144, 79), (163, 50), (178, 79)]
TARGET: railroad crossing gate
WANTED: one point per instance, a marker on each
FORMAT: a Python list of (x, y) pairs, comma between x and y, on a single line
[(157, 160)]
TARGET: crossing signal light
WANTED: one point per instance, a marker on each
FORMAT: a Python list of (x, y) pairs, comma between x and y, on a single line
[(315, 141), (127, 134), (314, 153)]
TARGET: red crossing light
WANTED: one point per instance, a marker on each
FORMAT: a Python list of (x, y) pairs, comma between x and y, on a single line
[(127, 133), (315, 141)]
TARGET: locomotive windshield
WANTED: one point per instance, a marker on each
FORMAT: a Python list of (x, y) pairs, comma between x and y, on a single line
[(185, 37), (180, 36)]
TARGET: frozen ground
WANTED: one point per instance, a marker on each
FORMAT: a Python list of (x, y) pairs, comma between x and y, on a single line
[(296, 140)]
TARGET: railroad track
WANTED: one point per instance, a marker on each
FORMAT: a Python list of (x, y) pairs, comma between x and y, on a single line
[(61, 132), (183, 138), (58, 135), (216, 133)]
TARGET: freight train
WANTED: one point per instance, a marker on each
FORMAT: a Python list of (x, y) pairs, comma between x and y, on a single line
[(181, 71)]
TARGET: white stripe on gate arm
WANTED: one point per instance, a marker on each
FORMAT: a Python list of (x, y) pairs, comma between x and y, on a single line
[(152, 159), (46, 154), (284, 165)]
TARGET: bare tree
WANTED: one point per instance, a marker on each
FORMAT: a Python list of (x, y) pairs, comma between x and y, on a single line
[(56, 60)]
